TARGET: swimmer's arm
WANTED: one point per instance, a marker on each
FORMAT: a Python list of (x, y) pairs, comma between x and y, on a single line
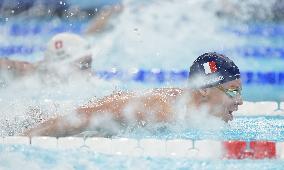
[(73, 123), (68, 125), (100, 21), (81, 120), (17, 67)]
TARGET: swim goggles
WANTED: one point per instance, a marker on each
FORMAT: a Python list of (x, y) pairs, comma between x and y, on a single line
[(83, 63), (232, 93)]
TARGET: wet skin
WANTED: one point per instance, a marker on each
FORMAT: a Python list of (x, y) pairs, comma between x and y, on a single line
[(156, 105)]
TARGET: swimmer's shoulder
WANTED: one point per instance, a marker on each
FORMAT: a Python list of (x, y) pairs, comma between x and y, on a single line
[(114, 96), (169, 91), (118, 94), (166, 94)]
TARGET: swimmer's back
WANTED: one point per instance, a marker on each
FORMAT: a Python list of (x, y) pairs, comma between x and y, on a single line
[(159, 99)]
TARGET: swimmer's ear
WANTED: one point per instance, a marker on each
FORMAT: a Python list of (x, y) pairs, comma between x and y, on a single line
[(203, 92)]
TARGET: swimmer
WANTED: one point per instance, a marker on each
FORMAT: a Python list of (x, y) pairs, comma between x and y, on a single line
[(214, 84), (64, 50)]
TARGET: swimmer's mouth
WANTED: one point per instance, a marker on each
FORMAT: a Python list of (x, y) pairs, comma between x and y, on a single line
[(229, 117)]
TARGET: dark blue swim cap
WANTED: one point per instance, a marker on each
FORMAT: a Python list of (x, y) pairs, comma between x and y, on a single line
[(212, 69)]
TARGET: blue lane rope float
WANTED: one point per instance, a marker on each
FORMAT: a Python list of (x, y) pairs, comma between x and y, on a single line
[(37, 29), (16, 29), (17, 49), (163, 76), (260, 52), (175, 76), (258, 30), (247, 51)]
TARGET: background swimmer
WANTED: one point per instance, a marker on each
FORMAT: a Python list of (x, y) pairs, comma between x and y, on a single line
[(218, 97), (64, 52)]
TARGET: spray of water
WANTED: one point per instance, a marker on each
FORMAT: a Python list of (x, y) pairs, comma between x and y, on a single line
[(147, 34), (144, 34)]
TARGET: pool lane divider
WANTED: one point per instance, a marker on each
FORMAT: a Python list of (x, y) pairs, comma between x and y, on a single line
[(45, 28), (176, 148), (266, 31), (30, 29), (259, 52), (175, 76), (254, 52), (252, 150), (163, 76)]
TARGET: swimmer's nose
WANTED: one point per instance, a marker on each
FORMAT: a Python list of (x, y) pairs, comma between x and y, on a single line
[(239, 100)]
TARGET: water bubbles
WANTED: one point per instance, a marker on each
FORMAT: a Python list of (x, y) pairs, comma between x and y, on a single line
[(60, 2), (6, 19)]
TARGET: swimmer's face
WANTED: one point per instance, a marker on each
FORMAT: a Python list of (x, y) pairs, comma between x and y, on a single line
[(62, 70), (84, 63), (225, 99)]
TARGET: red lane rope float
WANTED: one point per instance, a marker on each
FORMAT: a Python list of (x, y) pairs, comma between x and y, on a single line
[(251, 150)]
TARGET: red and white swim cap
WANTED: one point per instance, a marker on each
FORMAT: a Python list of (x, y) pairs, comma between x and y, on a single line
[(67, 47)]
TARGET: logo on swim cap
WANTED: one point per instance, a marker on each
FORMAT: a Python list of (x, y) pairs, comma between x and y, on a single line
[(212, 69), (214, 80), (58, 44)]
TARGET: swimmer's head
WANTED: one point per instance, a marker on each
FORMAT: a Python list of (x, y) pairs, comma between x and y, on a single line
[(216, 79), (69, 48)]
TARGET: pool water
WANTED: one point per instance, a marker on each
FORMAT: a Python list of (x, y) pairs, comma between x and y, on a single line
[(263, 128), (23, 157), (259, 128)]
